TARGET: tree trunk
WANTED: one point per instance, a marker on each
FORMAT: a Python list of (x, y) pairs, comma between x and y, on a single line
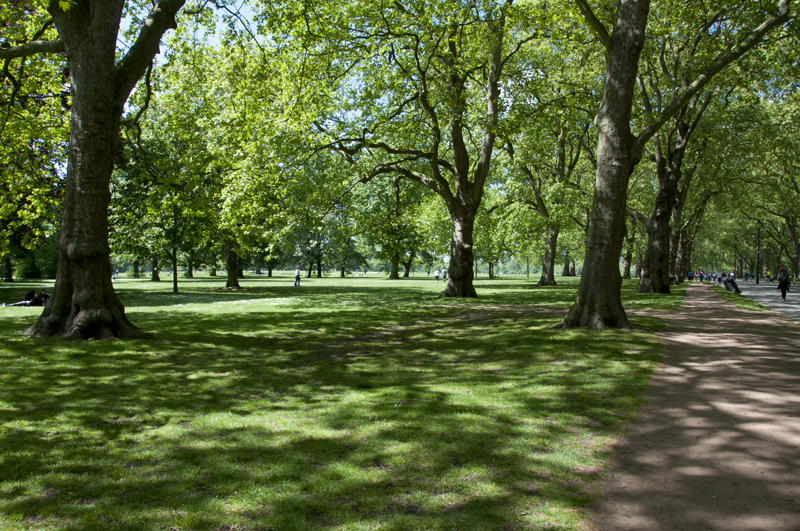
[(548, 277), (310, 269), (599, 302), (407, 266), (491, 269), (394, 272), (9, 269), (190, 265), (84, 304), (239, 269), (154, 276), (269, 271), (459, 271), (174, 270), (232, 267), (639, 261), (655, 275), (319, 268), (343, 272), (630, 243), (565, 271), (136, 269)]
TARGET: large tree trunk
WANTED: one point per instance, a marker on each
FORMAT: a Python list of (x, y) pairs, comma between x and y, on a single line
[(548, 277), (394, 272), (84, 304), (232, 267), (459, 271), (319, 268), (655, 275), (599, 302)]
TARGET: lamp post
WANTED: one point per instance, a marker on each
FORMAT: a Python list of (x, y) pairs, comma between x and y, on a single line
[(758, 252)]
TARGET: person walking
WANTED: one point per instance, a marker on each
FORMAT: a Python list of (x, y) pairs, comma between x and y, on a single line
[(783, 282), (297, 276)]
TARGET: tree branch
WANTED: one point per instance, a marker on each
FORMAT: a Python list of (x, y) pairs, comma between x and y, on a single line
[(134, 63), (31, 48), (717, 66), (594, 23)]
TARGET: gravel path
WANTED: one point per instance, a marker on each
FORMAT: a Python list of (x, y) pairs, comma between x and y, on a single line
[(717, 446)]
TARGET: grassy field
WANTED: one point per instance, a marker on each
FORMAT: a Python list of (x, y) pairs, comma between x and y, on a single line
[(340, 405), (738, 300)]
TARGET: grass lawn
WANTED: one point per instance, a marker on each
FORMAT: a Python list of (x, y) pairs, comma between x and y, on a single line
[(738, 300), (344, 404)]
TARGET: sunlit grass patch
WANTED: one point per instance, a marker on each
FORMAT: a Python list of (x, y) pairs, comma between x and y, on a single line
[(745, 303), (341, 405)]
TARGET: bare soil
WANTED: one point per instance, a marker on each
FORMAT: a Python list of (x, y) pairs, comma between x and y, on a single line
[(717, 445)]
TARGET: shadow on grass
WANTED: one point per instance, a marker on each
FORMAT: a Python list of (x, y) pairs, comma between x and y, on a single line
[(386, 412)]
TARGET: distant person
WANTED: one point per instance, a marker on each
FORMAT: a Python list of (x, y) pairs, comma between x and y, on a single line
[(783, 282), (436, 275), (296, 276), (444, 275)]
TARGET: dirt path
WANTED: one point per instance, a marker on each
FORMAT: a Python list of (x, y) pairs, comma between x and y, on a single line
[(717, 446)]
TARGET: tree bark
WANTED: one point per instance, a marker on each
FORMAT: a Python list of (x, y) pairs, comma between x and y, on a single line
[(407, 266), (319, 268), (84, 304), (491, 269), (462, 257), (565, 272), (190, 265), (394, 272), (136, 269), (599, 302), (548, 277), (232, 267), (154, 276)]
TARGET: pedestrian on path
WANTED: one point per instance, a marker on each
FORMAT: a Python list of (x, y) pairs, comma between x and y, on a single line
[(783, 282)]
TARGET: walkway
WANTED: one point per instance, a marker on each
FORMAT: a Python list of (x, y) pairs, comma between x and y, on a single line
[(717, 446)]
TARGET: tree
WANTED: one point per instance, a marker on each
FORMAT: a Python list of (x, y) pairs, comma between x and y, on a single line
[(599, 304), (419, 84), (84, 303)]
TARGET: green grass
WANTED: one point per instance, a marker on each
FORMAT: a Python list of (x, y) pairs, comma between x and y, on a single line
[(745, 303), (341, 405)]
